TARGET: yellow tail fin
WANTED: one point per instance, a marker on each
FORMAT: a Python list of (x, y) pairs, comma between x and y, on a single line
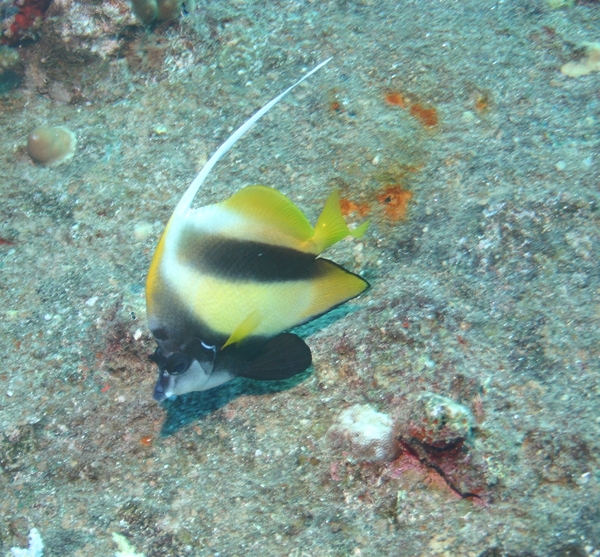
[(334, 286), (331, 226)]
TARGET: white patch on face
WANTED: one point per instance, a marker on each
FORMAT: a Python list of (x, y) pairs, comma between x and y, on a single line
[(193, 379)]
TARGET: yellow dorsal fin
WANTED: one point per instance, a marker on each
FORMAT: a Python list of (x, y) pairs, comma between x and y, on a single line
[(244, 329), (331, 226), (272, 208)]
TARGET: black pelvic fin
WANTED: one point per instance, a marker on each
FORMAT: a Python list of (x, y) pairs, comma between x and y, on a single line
[(281, 357)]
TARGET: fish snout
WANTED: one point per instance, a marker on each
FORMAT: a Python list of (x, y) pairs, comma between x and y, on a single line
[(163, 388)]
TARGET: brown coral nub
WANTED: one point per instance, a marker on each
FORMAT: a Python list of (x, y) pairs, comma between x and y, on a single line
[(49, 145)]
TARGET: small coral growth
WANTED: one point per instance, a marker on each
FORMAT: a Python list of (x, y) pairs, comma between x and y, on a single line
[(440, 421), (366, 434), (149, 11), (49, 145), (430, 440)]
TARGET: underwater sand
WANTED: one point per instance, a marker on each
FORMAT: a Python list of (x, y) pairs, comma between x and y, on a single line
[(484, 280)]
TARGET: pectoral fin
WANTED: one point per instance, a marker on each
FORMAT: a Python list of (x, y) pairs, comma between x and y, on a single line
[(280, 358), (244, 329)]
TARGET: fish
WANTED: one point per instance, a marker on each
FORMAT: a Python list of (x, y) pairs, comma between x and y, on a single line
[(229, 280)]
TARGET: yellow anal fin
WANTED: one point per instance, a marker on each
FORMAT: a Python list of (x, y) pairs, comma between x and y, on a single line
[(331, 226), (271, 208), (334, 286), (244, 329)]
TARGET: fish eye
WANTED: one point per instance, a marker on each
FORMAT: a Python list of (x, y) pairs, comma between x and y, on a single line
[(177, 363)]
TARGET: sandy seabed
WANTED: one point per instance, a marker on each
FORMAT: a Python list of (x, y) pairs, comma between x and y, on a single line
[(484, 280)]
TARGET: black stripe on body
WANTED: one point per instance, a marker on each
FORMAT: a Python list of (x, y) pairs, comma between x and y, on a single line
[(246, 260), (173, 323)]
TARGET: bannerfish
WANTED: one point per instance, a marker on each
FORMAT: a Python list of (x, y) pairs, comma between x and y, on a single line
[(228, 280)]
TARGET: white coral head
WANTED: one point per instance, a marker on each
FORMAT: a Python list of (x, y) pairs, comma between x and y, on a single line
[(366, 434)]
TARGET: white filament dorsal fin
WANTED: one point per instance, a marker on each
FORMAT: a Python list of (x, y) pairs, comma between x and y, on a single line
[(186, 200)]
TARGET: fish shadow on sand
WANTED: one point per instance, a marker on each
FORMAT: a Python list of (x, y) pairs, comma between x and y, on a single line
[(188, 408), (191, 407)]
